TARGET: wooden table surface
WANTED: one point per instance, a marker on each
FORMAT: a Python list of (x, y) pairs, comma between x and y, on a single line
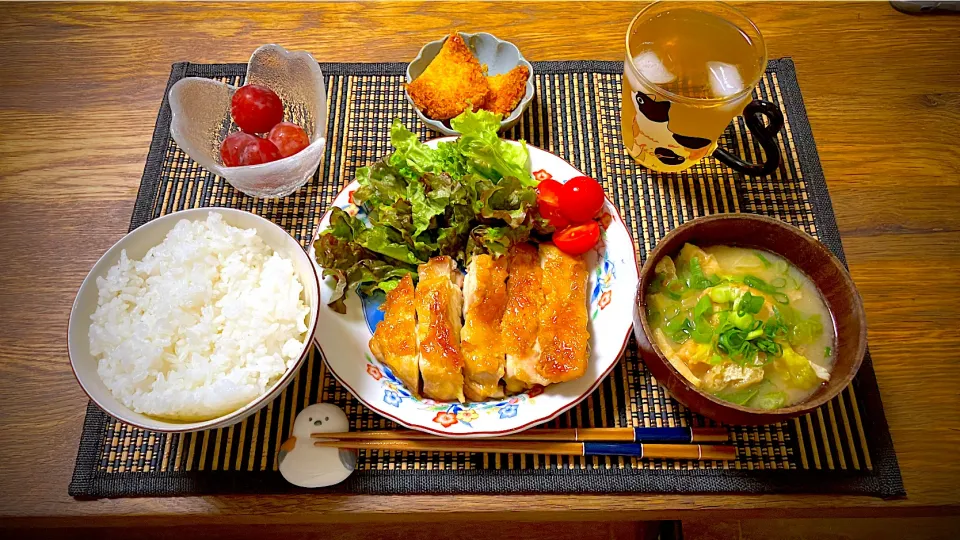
[(79, 90)]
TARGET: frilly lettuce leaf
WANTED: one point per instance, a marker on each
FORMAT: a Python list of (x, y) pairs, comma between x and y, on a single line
[(508, 200), (495, 240), (486, 153), (471, 195)]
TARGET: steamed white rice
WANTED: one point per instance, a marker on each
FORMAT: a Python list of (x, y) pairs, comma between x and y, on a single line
[(207, 322)]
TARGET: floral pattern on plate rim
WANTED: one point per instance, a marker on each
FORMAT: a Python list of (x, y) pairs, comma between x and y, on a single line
[(606, 271), (446, 413)]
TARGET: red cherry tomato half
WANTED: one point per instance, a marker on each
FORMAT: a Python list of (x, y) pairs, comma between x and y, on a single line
[(577, 239), (548, 202), (240, 149), (256, 108), (581, 199), (288, 138)]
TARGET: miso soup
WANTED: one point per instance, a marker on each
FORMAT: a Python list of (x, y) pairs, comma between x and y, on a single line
[(742, 324)]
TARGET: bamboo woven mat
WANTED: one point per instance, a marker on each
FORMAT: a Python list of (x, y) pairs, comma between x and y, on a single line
[(844, 447)]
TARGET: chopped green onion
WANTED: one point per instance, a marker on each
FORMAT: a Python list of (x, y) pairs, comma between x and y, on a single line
[(754, 334), (763, 286), (721, 294), (766, 263), (769, 346), (674, 289), (675, 324), (702, 332), (756, 283), (826, 352), (699, 280), (774, 328), (716, 359), (703, 307), (749, 303), (779, 282), (742, 321), (680, 329)]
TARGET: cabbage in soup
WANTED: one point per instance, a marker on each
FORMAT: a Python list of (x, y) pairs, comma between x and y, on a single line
[(741, 324)]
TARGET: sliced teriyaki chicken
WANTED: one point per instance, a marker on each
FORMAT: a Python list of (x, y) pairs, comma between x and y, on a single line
[(395, 341), (521, 319), (484, 299), (439, 304), (563, 334)]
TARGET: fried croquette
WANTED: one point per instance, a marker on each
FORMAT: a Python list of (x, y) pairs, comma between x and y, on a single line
[(506, 90), (453, 82)]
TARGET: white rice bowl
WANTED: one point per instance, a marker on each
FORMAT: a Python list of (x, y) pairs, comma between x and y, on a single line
[(204, 324)]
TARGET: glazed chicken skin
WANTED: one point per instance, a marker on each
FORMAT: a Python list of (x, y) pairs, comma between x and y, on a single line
[(395, 341), (485, 297), (439, 303), (524, 325), (563, 334), (521, 319)]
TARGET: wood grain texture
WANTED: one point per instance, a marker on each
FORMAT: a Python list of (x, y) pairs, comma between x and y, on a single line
[(79, 90)]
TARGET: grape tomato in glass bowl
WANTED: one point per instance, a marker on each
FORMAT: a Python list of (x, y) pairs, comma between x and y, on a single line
[(202, 120)]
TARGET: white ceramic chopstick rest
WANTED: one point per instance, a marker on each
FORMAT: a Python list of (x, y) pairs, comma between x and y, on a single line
[(305, 465)]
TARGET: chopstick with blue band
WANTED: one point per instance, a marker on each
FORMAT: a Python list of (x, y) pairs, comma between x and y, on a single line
[(630, 435), (639, 450)]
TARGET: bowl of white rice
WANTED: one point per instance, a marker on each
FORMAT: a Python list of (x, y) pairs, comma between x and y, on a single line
[(194, 321)]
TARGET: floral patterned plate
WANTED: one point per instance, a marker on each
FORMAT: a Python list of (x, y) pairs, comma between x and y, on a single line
[(613, 282)]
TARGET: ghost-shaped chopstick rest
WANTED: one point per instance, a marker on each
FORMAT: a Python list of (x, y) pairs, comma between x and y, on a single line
[(305, 465)]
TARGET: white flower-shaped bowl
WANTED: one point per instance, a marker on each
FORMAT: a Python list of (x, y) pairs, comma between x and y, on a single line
[(498, 55), (201, 120)]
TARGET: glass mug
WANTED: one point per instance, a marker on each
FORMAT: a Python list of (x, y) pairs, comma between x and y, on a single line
[(690, 68)]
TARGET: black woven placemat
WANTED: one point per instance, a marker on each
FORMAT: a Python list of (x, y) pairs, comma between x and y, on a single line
[(844, 447)]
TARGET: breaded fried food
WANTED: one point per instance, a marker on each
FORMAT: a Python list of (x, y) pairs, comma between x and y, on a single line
[(506, 90), (453, 82)]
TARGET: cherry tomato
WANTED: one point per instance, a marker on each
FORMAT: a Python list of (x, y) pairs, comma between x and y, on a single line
[(577, 239), (581, 199), (288, 138), (548, 202), (256, 108), (240, 149)]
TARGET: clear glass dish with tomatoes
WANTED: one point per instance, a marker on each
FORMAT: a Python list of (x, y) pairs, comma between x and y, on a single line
[(265, 138)]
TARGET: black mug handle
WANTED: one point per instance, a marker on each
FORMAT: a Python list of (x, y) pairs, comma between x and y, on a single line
[(766, 134)]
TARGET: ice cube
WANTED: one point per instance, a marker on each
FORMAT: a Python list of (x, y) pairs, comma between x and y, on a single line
[(650, 66), (725, 79)]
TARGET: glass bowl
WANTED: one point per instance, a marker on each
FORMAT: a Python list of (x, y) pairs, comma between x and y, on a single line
[(201, 120)]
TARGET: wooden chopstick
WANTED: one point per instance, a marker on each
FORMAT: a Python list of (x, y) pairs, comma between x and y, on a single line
[(644, 435), (662, 451)]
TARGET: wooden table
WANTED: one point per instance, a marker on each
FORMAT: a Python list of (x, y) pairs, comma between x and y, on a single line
[(79, 91)]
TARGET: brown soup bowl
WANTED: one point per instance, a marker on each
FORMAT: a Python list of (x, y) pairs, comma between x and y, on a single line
[(800, 249)]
